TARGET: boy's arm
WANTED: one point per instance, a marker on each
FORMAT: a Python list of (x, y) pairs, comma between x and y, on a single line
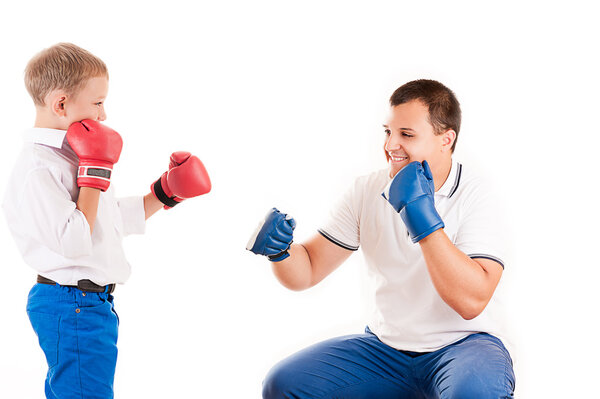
[(87, 203), (151, 205), (43, 210), (98, 148)]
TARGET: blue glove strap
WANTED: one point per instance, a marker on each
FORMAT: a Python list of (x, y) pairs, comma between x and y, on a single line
[(279, 257)]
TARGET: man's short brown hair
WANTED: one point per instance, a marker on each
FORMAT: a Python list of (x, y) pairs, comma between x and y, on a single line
[(444, 108), (63, 66)]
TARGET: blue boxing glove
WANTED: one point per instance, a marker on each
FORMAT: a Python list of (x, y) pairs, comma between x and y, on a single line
[(273, 236), (411, 194)]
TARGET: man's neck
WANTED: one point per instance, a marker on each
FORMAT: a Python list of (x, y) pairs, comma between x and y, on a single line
[(440, 175)]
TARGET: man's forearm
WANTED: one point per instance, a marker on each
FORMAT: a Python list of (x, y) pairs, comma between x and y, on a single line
[(461, 282), (294, 272)]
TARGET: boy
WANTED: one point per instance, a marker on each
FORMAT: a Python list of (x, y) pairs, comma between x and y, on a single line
[(62, 212), (433, 244)]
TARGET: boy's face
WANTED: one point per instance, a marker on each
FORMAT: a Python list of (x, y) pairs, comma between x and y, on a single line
[(87, 103), (410, 137)]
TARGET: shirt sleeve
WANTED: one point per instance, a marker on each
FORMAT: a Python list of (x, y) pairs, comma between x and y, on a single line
[(133, 215), (482, 232), (342, 227), (47, 210)]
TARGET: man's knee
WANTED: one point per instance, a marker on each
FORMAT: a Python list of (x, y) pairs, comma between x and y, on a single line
[(478, 388)]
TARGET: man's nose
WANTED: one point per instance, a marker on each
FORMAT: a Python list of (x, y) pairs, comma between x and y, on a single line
[(392, 143)]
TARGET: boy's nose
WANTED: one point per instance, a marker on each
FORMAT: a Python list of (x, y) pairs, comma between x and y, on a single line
[(102, 116)]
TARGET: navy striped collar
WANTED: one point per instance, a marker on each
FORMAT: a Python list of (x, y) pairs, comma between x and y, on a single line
[(452, 182)]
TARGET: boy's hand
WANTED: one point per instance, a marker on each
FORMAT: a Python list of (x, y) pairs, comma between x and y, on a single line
[(273, 236), (186, 178), (411, 193), (98, 148)]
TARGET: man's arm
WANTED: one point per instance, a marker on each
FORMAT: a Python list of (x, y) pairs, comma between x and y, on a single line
[(296, 266), (309, 263), (465, 284)]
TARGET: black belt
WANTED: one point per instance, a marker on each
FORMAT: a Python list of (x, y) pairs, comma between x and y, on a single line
[(83, 285)]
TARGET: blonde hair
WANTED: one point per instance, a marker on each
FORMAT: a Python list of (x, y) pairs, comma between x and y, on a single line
[(63, 66)]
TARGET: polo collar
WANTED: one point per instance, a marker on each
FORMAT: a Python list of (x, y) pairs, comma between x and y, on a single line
[(452, 182), (50, 137)]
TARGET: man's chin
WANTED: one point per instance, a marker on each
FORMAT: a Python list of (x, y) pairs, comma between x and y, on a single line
[(394, 169)]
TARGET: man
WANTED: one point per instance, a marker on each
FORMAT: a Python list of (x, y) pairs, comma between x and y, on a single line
[(432, 237)]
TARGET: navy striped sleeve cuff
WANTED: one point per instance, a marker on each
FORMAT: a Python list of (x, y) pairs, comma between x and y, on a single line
[(336, 241), (485, 256)]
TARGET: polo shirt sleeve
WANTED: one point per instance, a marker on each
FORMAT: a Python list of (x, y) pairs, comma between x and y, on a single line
[(482, 232), (342, 227), (133, 215)]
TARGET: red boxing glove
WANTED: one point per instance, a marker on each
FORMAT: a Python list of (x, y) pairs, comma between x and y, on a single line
[(186, 178), (98, 148)]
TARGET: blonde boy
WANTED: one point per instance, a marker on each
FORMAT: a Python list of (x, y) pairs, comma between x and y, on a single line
[(61, 210)]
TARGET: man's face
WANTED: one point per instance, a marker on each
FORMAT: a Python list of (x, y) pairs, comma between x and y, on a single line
[(88, 103), (410, 137)]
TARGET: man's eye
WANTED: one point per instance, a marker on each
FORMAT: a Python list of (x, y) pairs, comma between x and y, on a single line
[(407, 135), (387, 131)]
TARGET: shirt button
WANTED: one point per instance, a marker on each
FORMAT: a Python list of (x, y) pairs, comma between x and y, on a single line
[(77, 310)]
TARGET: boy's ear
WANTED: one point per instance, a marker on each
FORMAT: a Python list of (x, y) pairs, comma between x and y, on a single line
[(56, 100)]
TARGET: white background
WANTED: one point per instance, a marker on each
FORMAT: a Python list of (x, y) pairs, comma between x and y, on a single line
[(284, 101)]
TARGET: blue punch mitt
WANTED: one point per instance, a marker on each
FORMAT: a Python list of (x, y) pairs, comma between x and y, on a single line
[(411, 193), (273, 236)]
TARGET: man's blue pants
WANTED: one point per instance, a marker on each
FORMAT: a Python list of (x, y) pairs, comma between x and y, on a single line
[(361, 366), (78, 333)]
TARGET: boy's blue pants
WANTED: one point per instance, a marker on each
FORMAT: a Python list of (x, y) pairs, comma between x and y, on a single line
[(361, 366), (78, 333)]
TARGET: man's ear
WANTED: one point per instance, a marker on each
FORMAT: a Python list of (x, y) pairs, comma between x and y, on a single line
[(448, 140), (56, 100)]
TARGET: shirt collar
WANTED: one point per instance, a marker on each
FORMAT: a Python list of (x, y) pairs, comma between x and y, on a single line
[(50, 137), (451, 184)]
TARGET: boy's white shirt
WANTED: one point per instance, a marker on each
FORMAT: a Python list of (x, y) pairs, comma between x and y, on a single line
[(52, 235)]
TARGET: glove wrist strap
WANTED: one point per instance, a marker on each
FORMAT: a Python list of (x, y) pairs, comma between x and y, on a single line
[(279, 257), (162, 196)]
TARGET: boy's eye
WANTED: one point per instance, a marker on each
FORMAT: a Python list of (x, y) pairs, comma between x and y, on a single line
[(98, 103)]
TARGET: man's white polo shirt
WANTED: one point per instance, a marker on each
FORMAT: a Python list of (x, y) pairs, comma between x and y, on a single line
[(409, 314)]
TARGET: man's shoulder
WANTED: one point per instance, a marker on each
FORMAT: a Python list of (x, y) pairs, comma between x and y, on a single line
[(477, 185), (376, 178)]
